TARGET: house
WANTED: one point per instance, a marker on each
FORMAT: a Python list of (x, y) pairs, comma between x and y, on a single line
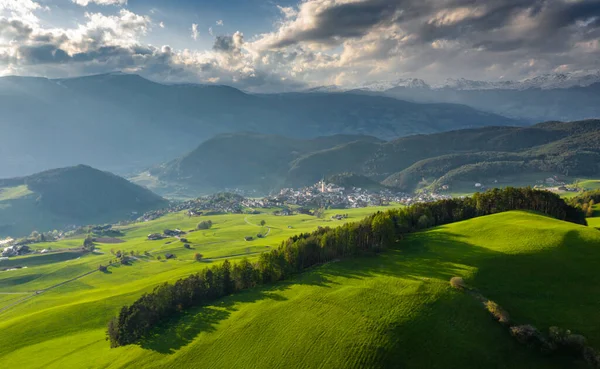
[(155, 236), (478, 185), (172, 233), (168, 255)]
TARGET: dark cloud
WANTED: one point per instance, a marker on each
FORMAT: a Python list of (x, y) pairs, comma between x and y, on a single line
[(43, 54), (14, 29), (223, 43)]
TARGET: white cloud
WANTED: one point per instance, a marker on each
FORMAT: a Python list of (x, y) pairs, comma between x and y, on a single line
[(319, 42), (161, 24), (220, 22), (195, 32), (100, 2)]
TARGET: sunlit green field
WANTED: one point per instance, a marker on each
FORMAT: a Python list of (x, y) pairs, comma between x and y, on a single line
[(391, 310), (12, 193), (592, 184), (595, 220)]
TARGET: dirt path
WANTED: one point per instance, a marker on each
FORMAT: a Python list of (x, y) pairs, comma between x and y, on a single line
[(258, 225)]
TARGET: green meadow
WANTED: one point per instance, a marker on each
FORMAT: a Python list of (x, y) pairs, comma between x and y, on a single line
[(395, 309), (591, 184)]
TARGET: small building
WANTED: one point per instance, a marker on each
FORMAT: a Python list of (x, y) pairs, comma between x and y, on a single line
[(478, 185), (155, 236), (168, 255)]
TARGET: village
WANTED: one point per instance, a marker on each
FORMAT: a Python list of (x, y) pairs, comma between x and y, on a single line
[(300, 200)]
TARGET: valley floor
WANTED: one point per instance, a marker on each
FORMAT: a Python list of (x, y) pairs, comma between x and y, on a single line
[(395, 309)]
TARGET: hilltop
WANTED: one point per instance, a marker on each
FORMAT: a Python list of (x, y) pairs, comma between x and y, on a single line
[(491, 156), (76, 195), (112, 116)]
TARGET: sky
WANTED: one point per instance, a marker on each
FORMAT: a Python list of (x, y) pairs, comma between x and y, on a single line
[(271, 45)]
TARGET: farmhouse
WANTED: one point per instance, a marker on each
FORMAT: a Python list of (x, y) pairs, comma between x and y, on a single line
[(155, 236)]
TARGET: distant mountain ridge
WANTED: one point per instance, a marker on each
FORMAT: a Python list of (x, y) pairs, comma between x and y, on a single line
[(77, 195), (559, 96), (471, 155), (101, 119), (544, 82)]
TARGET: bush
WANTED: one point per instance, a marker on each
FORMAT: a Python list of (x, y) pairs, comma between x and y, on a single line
[(102, 268), (187, 246), (591, 357), (564, 340), (198, 257), (496, 310), (530, 336), (88, 243), (206, 224), (458, 283)]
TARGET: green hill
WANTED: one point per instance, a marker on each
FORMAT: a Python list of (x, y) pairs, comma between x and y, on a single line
[(395, 309), (69, 196), (246, 160), (493, 156)]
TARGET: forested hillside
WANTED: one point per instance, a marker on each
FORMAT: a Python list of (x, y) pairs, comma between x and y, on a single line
[(70, 196), (483, 155)]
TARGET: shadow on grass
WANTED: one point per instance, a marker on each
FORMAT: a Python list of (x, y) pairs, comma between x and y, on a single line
[(507, 278), (182, 329)]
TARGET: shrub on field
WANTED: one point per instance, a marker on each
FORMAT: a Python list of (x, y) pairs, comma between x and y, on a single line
[(496, 310), (206, 224), (458, 283), (564, 340), (530, 336), (591, 357)]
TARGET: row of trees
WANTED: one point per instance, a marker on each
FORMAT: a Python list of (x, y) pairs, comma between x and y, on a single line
[(586, 201), (372, 234)]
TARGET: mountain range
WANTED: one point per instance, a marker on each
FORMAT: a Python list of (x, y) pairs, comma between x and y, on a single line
[(488, 154), (549, 97), (100, 120)]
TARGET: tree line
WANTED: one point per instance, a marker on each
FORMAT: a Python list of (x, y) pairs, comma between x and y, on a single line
[(370, 235), (586, 201)]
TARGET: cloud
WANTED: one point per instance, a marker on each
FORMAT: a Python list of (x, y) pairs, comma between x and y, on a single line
[(369, 39), (344, 42), (161, 24), (100, 2), (219, 22), (195, 32)]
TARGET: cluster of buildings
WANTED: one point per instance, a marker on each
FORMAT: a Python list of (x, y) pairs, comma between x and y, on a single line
[(319, 195), (323, 194)]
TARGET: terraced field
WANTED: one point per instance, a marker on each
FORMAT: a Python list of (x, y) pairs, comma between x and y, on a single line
[(391, 310)]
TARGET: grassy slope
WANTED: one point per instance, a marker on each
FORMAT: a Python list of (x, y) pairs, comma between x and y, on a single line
[(395, 309), (11, 193), (592, 184)]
